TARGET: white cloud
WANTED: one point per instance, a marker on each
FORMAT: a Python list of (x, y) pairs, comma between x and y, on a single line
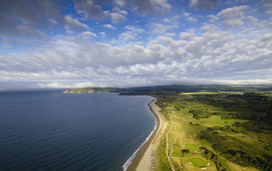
[(102, 34), (191, 19), (269, 12), (118, 15), (207, 53), (35, 15), (117, 18), (90, 10), (120, 3), (74, 24), (208, 27), (109, 26), (172, 21), (134, 64), (265, 6), (186, 35), (6, 47), (30, 31), (131, 33), (232, 17), (88, 33), (252, 19), (186, 14), (204, 4), (66, 85), (146, 7), (158, 28), (54, 22), (211, 55)]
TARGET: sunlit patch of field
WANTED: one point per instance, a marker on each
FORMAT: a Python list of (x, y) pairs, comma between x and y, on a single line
[(216, 125), (199, 93)]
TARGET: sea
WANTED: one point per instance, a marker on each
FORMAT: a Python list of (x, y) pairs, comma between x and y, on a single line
[(50, 130)]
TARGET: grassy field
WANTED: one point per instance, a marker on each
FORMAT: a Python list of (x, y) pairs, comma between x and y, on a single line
[(217, 131)]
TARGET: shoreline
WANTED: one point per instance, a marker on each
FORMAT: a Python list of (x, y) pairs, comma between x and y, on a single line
[(145, 158)]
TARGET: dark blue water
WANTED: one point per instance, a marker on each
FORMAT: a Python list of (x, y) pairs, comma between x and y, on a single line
[(56, 131)]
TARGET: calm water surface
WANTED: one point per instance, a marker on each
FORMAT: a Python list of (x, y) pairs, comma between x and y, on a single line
[(56, 131)]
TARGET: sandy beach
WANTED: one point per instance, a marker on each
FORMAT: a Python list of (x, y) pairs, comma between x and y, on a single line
[(146, 158)]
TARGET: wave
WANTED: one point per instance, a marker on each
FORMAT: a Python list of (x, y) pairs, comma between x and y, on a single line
[(129, 161)]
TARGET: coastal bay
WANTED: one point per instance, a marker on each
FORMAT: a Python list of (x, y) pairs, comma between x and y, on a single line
[(52, 130)]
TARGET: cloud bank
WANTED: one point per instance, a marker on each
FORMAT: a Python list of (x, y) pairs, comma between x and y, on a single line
[(230, 46)]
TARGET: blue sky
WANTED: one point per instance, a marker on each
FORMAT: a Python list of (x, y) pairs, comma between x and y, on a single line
[(80, 43)]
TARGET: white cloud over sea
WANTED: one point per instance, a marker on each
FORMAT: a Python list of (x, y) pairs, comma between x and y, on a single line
[(228, 45)]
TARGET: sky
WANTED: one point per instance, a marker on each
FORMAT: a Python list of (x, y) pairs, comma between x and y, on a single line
[(125, 43)]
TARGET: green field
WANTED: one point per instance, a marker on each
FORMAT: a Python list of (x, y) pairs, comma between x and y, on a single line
[(197, 162), (218, 131), (191, 147)]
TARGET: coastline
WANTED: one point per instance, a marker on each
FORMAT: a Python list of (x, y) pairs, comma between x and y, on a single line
[(146, 157)]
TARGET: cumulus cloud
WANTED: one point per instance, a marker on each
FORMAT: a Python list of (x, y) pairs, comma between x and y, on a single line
[(102, 34), (204, 4), (191, 19), (169, 24), (159, 28), (232, 17), (120, 3), (265, 6), (109, 26), (147, 7), (161, 51), (118, 16), (186, 35), (74, 24), (28, 14), (88, 33), (186, 14), (172, 21), (131, 33), (90, 9), (28, 31), (252, 19), (210, 56)]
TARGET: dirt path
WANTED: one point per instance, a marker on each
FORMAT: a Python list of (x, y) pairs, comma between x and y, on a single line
[(172, 152), (166, 151), (172, 146)]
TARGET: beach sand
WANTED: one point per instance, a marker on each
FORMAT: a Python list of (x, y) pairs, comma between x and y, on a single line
[(146, 158)]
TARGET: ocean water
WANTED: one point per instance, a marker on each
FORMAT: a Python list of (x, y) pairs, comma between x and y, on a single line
[(55, 131)]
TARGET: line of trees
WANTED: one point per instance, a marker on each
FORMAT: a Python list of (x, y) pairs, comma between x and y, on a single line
[(242, 158), (210, 155)]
